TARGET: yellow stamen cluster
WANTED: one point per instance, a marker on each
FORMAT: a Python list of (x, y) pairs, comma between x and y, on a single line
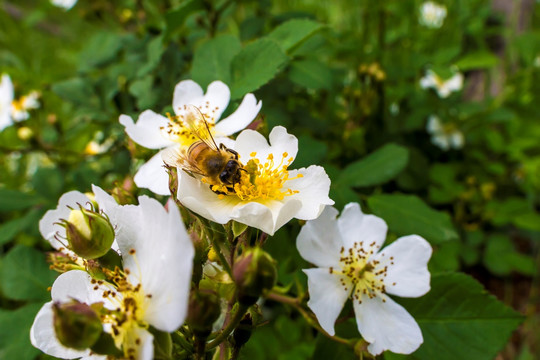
[(178, 131), (263, 181), (364, 276)]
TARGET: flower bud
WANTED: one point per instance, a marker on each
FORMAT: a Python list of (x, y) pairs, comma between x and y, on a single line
[(254, 272), (89, 234), (173, 179), (204, 309), (76, 324)]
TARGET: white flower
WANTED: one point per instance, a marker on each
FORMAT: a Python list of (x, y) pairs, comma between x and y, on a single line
[(155, 131), (432, 14), (65, 4), (20, 107), (6, 98), (444, 136), (346, 250), (269, 194), (50, 225), (443, 87), (152, 289)]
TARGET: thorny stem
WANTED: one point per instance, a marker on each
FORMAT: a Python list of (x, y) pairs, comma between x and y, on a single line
[(297, 304), (233, 323)]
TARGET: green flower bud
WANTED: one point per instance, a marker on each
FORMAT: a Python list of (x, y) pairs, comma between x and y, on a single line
[(77, 325), (89, 234), (204, 309), (254, 273)]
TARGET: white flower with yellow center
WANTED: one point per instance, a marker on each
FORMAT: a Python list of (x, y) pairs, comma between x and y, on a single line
[(346, 250), (432, 14), (269, 194), (444, 87), (152, 289), (155, 131), (444, 136), (20, 107)]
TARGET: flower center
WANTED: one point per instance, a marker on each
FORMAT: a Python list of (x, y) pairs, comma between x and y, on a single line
[(178, 131), (366, 277), (263, 181), (128, 317)]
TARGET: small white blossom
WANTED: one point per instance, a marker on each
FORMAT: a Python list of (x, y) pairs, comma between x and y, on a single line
[(269, 194), (444, 136), (432, 14), (151, 289), (351, 265), (155, 131), (65, 4), (443, 87)]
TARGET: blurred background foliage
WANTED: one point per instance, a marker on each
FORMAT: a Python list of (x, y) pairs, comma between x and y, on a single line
[(343, 76)]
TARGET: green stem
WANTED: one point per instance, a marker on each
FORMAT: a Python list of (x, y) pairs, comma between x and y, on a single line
[(297, 304), (233, 323), (221, 257), (179, 338)]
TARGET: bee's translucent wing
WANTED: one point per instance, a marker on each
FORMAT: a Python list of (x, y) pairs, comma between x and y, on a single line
[(198, 126), (175, 157)]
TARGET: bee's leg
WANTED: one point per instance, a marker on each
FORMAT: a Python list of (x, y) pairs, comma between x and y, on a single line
[(217, 191), (231, 151)]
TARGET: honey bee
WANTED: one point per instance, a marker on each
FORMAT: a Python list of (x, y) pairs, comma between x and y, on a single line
[(218, 165)]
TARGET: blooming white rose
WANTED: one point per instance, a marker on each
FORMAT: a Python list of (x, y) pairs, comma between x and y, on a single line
[(155, 131), (65, 4), (269, 194), (444, 136), (346, 250), (432, 14), (151, 289), (443, 87)]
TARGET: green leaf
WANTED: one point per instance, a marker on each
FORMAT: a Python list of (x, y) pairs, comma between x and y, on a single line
[(16, 200), (501, 257), (77, 91), (175, 18), (142, 89), (256, 65), (101, 48), (238, 228), (212, 60), (408, 214), (10, 229), (25, 275), (477, 60), (311, 74), (48, 182), (293, 32), (14, 339), (460, 320), (376, 168)]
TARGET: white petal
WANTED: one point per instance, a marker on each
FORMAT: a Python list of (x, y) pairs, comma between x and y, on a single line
[(409, 272), (43, 337), (455, 83), (146, 349), (108, 205), (48, 226), (355, 226), (434, 125), (147, 131), (242, 117), (319, 241), (6, 90), (268, 217), (326, 296), (456, 139), (441, 141), (313, 189), (249, 141), (212, 104), (5, 117), (152, 175), (77, 284), (163, 256), (387, 326)]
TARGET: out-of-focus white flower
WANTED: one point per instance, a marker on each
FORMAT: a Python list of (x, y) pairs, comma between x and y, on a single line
[(444, 136), (155, 131), (268, 194), (14, 110), (156, 252), (20, 107), (6, 98), (443, 87), (350, 265), (432, 14), (65, 4)]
